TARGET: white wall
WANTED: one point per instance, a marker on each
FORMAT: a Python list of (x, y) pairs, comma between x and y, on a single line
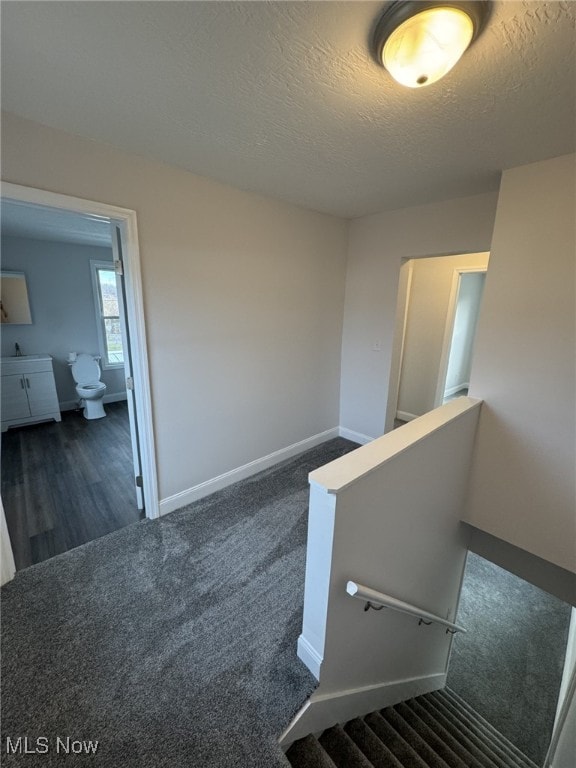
[(243, 299), (7, 566), (563, 745), (428, 306), (377, 246), (564, 755), (62, 305), (522, 485), (377, 519)]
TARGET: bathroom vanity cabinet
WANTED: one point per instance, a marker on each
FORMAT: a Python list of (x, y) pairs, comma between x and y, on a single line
[(28, 391)]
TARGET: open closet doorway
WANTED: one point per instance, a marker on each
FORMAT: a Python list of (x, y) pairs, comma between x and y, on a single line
[(429, 318), (84, 464)]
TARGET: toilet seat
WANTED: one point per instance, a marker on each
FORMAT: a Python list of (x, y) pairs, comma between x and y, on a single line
[(86, 371)]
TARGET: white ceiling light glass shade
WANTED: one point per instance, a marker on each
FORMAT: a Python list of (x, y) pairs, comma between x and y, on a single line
[(420, 42)]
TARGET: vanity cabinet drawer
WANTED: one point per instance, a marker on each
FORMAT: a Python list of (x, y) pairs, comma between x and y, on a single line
[(14, 365)]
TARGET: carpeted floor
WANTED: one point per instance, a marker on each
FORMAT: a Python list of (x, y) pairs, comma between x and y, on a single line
[(171, 642), (509, 664)]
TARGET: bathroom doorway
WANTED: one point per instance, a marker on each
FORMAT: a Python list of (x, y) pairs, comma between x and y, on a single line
[(113, 455)]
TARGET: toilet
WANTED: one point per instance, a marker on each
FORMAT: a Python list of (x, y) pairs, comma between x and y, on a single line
[(90, 389)]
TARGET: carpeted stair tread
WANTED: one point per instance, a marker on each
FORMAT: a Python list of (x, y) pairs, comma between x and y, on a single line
[(453, 752), (377, 753), (436, 730), (456, 726), (308, 753), (474, 730), (403, 751), (419, 745), (342, 749), (497, 744), (464, 706), (447, 733)]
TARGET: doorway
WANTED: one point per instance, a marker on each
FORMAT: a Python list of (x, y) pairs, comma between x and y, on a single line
[(426, 325), (460, 333), (129, 421)]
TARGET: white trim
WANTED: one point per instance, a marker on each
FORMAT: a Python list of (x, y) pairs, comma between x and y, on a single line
[(356, 437), (561, 720), (325, 710), (456, 388), (310, 656), (181, 499), (405, 416), (404, 295), (7, 566), (567, 692), (134, 311)]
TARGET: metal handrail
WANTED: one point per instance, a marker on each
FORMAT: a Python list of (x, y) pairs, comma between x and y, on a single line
[(378, 600)]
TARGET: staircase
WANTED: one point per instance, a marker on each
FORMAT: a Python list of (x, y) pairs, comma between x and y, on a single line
[(438, 730)]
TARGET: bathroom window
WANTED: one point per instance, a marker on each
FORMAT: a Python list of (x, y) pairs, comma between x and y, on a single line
[(107, 314)]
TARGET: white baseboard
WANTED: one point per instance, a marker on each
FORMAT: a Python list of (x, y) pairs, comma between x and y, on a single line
[(325, 710), (457, 388), (356, 437), (171, 503), (309, 656), (72, 405), (405, 416)]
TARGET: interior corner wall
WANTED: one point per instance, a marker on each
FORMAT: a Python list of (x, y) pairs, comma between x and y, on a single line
[(378, 245), (243, 301), (522, 484), (59, 280)]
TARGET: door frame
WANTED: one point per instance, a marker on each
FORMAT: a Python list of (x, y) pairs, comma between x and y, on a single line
[(449, 329), (134, 316), (400, 324)]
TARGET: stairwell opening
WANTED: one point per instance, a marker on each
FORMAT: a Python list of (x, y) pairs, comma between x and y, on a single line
[(509, 665)]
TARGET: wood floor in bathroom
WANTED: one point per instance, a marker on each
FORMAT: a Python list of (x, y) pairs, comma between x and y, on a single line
[(67, 483)]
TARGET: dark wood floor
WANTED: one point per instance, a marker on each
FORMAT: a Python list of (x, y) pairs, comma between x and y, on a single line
[(68, 483)]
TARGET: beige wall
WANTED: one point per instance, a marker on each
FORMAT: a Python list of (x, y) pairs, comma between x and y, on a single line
[(243, 301), (522, 486), (378, 244), (430, 290)]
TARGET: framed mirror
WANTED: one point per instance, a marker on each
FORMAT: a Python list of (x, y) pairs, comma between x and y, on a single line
[(14, 305)]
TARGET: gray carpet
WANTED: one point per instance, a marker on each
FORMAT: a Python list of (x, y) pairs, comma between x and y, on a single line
[(170, 642), (509, 664)]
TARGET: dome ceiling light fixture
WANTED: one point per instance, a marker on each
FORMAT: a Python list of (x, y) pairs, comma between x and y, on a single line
[(419, 42)]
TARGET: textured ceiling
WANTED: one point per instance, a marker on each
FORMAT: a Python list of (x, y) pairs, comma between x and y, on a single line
[(42, 223), (282, 98)]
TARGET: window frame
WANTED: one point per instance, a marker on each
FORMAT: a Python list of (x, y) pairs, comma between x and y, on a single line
[(95, 266)]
